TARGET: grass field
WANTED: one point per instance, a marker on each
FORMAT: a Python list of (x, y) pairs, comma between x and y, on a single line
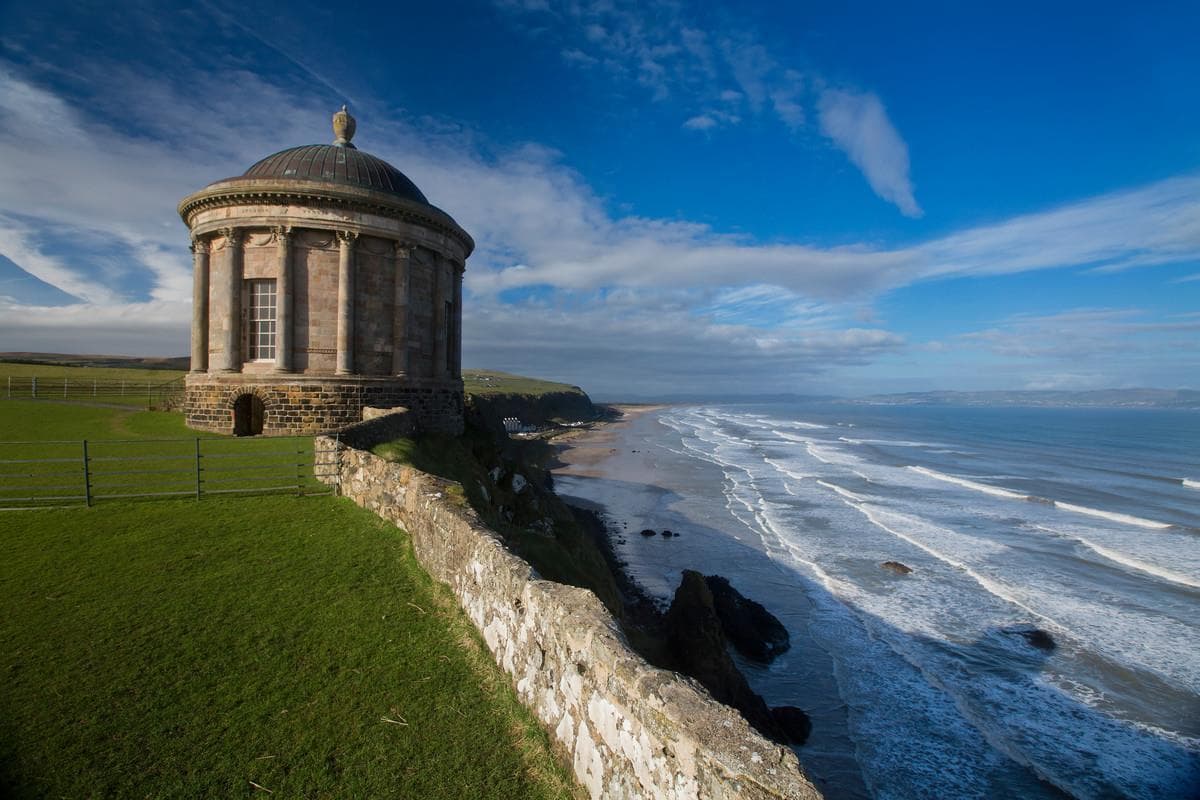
[(236, 646), (134, 453), (105, 385), (487, 382)]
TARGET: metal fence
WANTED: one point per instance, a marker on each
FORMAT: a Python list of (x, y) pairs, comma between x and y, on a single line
[(63, 473), (149, 393)]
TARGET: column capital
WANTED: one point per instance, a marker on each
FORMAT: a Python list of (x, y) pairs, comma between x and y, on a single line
[(282, 234), (403, 249), (232, 236), (346, 238), (199, 245)]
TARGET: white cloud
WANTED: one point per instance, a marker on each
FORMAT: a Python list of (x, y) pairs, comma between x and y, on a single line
[(666, 51), (652, 299), (858, 124), (638, 344)]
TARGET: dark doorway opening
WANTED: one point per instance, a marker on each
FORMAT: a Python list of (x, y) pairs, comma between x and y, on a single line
[(248, 415)]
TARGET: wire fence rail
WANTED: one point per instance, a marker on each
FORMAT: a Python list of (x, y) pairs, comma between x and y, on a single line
[(86, 472), (148, 393)]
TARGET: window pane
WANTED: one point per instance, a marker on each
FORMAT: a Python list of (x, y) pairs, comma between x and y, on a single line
[(261, 320)]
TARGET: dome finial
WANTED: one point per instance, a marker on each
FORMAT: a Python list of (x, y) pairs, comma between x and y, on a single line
[(343, 128)]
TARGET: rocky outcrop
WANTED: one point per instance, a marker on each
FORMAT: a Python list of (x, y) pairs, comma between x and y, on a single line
[(696, 644), (896, 567), (753, 630), (1035, 637), (489, 410)]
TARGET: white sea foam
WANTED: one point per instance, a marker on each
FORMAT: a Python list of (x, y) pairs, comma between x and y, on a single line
[(876, 514), (1139, 565), (887, 442), (832, 455), (995, 491), (1114, 516), (1191, 484), (846, 493)]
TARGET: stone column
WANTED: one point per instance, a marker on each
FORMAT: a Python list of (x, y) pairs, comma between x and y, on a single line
[(457, 301), (283, 301), (199, 305), (345, 317), (439, 317), (233, 274), (402, 272)]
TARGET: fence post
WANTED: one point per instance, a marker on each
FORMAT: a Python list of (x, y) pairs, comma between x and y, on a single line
[(10, 387), (87, 477), (197, 467), (64, 388), (35, 387), (93, 388), (122, 387), (299, 459)]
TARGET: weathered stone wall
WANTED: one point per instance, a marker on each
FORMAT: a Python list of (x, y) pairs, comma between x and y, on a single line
[(630, 730), (374, 293), (314, 287), (296, 405)]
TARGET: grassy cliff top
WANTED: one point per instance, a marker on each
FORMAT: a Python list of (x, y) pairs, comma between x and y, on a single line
[(488, 382)]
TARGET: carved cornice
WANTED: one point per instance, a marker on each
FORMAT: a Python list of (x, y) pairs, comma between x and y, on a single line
[(224, 196)]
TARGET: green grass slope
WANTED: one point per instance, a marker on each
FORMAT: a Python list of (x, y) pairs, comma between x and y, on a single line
[(178, 648)]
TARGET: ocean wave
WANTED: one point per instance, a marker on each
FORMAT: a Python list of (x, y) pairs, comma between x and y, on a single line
[(1114, 516), (999, 491), (1191, 484), (846, 493), (995, 491), (888, 442), (1139, 565), (875, 515)]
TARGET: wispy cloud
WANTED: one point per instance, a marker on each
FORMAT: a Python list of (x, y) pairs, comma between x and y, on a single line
[(1089, 348), (664, 302), (720, 77), (858, 124)]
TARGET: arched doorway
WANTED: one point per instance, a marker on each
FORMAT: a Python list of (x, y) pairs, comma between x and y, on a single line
[(248, 415)]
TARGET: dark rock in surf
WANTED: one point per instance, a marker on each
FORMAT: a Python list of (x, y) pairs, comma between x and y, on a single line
[(647, 532), (896, 567), (794, 722), (1036, 637), (754, 631), (696, 646)]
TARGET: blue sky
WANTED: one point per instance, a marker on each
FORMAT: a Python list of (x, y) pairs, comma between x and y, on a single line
[(667, 197)]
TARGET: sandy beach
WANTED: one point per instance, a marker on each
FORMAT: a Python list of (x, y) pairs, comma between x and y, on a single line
[(579, 452)]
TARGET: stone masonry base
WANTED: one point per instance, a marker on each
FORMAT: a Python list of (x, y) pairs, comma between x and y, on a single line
[(294, 404)]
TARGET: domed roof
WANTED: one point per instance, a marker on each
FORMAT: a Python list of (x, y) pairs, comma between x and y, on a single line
[(340, 162)]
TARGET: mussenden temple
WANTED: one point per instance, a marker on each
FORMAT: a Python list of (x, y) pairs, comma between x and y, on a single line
[(324, 282)]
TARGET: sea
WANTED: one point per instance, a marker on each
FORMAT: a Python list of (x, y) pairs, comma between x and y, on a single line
[(1082, 523)]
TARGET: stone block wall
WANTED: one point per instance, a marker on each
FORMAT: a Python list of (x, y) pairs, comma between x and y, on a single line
[(306, 406), (630, 730)]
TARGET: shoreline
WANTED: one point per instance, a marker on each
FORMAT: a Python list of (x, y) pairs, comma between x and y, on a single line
[(576, 454)]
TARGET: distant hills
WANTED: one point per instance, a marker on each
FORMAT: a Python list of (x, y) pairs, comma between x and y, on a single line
[(1100, 398), (76, 360), (486, 382)]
